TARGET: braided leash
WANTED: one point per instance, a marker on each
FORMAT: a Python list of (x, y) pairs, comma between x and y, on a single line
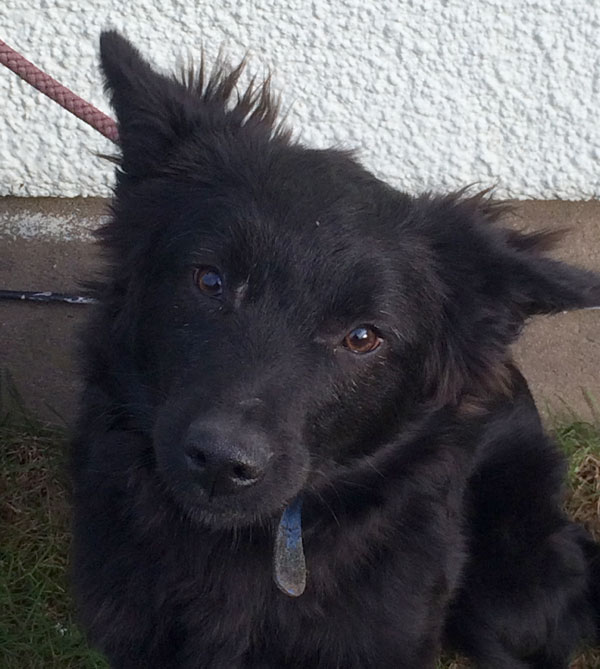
[(80, 108), (57, 92)]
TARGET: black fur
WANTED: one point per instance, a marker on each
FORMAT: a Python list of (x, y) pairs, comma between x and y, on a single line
[(432, 497)]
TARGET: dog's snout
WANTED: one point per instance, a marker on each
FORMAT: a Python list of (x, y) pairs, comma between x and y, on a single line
[(223, 465)]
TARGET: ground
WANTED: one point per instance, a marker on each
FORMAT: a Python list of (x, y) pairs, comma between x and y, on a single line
[(37, 630)]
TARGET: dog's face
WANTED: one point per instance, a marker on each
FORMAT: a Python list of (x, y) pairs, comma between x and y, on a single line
[(288, 310)]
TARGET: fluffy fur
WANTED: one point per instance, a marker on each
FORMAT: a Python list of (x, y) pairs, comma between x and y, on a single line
[(432, 497)]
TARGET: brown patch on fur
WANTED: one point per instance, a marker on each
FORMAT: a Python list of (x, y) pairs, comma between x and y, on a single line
[(496, 384)]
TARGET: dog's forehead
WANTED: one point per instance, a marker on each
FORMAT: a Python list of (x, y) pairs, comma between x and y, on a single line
[(300, 222), (297, 252), (320, 252), (281, 214)]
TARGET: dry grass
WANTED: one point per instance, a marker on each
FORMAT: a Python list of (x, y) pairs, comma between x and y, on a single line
[(581, 441), (36, 625)]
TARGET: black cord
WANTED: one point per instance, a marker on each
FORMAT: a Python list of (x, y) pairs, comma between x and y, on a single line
[(45, 296), (67, 298)]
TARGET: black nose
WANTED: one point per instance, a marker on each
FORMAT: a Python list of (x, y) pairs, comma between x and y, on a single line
[(223, 466)]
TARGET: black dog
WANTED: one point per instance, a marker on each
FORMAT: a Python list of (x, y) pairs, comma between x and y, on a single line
[(283, 339)]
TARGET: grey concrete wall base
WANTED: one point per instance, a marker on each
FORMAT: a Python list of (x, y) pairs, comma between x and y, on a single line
[(46, 244)]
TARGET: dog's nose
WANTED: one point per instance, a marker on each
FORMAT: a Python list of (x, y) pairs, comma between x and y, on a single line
[(222, 466)]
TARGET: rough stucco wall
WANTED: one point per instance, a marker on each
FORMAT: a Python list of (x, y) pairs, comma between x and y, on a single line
[(434, 94)]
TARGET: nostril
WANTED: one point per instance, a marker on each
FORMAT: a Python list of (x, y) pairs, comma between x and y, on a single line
[(196, 458), (244, 474)]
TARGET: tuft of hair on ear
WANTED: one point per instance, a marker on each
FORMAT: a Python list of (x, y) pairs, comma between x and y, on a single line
[(156, 112), (484, 208), (537, 242)]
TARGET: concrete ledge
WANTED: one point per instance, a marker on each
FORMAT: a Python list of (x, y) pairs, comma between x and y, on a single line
[(45, 244)]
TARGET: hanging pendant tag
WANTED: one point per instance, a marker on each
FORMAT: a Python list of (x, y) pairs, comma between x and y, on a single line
[(289, 564)]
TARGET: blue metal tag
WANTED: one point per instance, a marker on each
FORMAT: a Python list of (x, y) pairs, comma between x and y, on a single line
[(289, 564)]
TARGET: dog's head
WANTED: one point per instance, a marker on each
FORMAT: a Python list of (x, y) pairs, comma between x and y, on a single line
[(285, 309)]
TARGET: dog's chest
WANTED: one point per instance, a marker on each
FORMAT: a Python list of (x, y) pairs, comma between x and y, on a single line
[(365, 602)]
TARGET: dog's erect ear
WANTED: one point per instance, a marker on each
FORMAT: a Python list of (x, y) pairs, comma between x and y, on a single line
[(150, 107)]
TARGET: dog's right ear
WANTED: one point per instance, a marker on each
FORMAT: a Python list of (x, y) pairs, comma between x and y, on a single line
[(150, 107)]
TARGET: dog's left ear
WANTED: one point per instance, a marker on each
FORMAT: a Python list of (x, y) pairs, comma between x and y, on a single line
[(510, 267), (541, 285), (494, 279)]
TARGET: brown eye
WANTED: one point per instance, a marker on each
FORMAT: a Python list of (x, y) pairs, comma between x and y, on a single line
[(209, 281), (362, 340)]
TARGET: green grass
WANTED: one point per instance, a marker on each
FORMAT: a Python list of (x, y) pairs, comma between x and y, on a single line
[(36, 621)]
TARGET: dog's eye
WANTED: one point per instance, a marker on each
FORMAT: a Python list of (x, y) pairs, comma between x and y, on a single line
[(363, 339), (209, 281)]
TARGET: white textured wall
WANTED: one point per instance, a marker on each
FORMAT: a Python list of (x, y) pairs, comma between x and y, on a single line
[(435, 94)]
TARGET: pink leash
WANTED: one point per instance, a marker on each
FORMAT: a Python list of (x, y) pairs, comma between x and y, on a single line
[(57, 92)]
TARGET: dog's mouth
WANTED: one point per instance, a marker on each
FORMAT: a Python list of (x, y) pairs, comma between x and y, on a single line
[(288, 560), (224, 486)]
